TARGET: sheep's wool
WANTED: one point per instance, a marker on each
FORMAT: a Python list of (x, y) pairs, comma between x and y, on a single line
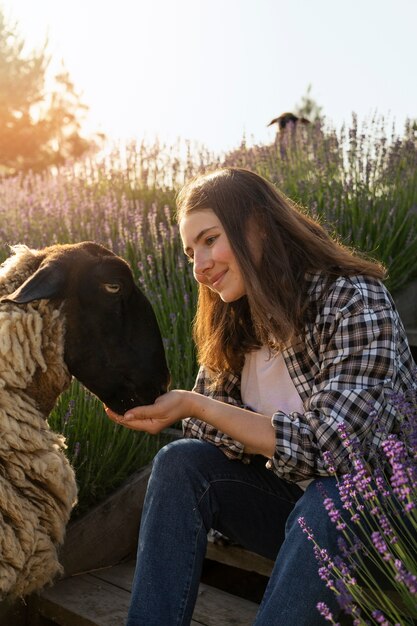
[(37, 483)]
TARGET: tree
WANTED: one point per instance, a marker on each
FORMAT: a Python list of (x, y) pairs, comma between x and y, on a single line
[(309, 108), (38, 128)]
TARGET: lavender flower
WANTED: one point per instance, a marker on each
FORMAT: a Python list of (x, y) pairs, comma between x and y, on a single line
[(404, 576), (381, 546), (382, 508), (69, 411), (381, 483), (345, 598), (380, 618), (403, 479), (326, 613), (348, 549), (306, 529), (334, 513), (347, 491), (329, 462)]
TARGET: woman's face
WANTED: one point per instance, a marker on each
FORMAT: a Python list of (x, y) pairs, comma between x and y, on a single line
[(206, 244)]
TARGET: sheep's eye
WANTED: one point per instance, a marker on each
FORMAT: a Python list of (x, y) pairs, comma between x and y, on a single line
[(112, 287)]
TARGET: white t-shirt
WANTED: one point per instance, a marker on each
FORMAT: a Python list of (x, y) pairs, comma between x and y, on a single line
[(266, 387)]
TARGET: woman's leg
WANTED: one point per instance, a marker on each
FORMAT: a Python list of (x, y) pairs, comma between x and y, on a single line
[(295, 588), (194, 487)]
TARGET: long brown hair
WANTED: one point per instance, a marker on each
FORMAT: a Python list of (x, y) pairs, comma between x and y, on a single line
[(292, 244)]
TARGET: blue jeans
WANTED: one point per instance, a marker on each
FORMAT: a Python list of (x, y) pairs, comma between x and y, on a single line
[(194, 487)]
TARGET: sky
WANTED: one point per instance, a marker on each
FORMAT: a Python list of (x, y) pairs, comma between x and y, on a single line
[(214, 71)]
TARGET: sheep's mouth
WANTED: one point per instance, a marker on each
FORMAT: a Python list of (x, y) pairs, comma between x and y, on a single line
[(131, 402), (121, 404)]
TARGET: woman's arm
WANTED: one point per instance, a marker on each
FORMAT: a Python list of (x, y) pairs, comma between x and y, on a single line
[(253, 430)]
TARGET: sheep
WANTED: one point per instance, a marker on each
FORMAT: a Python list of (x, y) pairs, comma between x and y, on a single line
[(66, 310), (288, 119)]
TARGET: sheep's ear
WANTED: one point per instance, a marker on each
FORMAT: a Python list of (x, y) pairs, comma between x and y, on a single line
[(47, 282)]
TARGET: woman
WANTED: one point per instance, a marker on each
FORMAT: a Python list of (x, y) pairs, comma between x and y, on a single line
[(295, 335)]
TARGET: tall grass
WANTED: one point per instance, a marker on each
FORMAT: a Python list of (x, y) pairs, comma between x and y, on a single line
[(102, 452), (361, 183)]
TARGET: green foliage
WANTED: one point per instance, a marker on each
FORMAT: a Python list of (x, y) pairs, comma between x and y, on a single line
[(102, 453), (37, 128)]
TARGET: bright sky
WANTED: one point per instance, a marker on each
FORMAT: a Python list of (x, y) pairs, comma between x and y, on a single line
[(213, 70)]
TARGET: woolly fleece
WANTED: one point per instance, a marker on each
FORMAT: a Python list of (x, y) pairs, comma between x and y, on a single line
[(37, 484)]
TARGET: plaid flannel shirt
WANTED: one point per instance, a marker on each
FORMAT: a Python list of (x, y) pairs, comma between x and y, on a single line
[(354, 354)]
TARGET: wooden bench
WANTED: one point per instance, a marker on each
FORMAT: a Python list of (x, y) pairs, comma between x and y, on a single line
[(238, 557), (102, 597)]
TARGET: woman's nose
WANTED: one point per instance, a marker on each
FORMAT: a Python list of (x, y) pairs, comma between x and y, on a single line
[(202, 263)]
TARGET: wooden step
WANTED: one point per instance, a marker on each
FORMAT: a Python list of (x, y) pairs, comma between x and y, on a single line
[(102, 597), (236, 556)]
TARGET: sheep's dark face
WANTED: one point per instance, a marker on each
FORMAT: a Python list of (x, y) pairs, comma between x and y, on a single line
[(112, 341), (112, 344)]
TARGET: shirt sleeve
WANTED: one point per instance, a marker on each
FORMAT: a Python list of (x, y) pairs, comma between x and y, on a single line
[(355, 371), (195, 428)]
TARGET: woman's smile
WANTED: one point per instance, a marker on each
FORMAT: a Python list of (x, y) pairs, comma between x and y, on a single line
[(215, 282)]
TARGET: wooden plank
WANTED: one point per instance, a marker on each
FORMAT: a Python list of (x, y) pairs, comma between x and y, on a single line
[(102, 599), (120, 575), (240, 558), (82, 601), (219, 608), (213, 607), (108, 533)]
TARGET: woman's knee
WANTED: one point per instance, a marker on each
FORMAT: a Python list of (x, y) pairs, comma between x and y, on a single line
[(180, 480), (311, 508), (180, 459)]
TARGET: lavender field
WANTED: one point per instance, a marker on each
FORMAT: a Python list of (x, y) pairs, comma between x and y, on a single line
[(361, 182)]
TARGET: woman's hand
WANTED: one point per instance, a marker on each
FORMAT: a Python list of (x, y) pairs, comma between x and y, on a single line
[(153, 418), (253, 430)]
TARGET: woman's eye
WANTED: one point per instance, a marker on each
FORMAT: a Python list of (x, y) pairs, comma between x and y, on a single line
[(211, 240), (112, 287)]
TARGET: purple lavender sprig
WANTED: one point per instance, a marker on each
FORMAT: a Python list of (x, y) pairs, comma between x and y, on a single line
[(377, 522), (325, 612)]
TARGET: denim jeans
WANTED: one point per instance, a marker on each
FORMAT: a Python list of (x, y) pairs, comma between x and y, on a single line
[(194, 487)]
